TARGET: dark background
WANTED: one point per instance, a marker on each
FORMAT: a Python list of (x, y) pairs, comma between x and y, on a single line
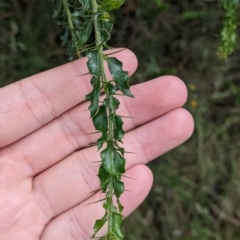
[(196, 192)]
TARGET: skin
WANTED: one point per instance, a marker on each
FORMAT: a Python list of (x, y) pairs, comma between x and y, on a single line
[(47, 174)]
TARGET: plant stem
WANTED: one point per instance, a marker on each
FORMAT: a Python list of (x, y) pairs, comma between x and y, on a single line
[(110, 192), (98, 40), (70, 24)]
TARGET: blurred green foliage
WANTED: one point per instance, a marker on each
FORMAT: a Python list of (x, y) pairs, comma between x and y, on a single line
[(196, 192), (28, 39), (229, 31)]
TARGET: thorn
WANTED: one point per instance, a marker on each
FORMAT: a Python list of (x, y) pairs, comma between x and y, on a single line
[(82, 74), (100, 237), (93, 145), (128, 177), (91, 133), (97, 201), (84, 50), (119, 94), (130, 152), (123, 95), (93, 192), (96, 161), (126, 116), (108, 54)]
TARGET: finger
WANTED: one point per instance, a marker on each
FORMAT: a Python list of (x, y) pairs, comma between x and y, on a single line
[(59, 185), (38, 99), (78, 222), (69, 132)]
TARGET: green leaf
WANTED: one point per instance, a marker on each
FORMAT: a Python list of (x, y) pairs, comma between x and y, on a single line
[(112, 4), (120, 206), (100, 120), (117, 221), (58, 10), (112, 103), (99, 224), (118, 130), (112, 161), (111, 88), (64, 36), (78, 13), (121, 150), (84, 34), (118, 187), (104, 178), (107, 156), (100, 141), (107, 205), (119, 163), (93, 97), (119, 76), (93, 63), (116, 232), (85, 3), (104, 16), (105, 29), (111, 236), (71, 50)]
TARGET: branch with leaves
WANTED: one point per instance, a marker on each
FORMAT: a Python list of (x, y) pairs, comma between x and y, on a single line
[(230, 24), (80, 19)]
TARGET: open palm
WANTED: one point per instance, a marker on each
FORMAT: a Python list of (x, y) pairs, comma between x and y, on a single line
[(47, 174)]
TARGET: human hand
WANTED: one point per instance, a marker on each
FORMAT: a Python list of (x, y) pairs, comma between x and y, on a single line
[(47, 174)]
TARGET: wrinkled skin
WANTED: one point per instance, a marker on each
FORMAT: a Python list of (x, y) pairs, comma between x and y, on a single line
[(47, 174)]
